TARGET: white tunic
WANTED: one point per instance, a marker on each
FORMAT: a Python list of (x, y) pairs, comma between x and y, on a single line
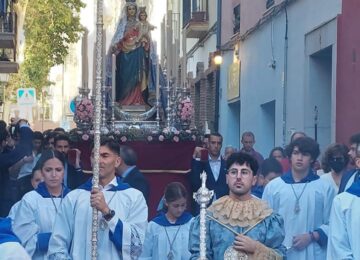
[(10, 247), (315, 204), (13, 251), (34, 219), (344, 230), (121, 238), (328, 177), (157, 245)]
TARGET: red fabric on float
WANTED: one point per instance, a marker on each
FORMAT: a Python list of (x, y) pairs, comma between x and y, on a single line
[(160, 162)]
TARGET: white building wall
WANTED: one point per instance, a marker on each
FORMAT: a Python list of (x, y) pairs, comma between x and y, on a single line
[(202, 55)]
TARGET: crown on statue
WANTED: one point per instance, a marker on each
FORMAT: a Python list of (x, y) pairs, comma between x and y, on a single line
[(142, 8)]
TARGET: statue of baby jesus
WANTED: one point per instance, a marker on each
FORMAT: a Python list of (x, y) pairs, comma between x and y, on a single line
[(144, 28)]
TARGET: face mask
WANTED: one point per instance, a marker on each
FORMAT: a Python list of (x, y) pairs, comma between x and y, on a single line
[(337, 166)]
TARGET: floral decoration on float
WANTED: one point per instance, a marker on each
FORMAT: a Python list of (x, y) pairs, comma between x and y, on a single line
[(134, 134)]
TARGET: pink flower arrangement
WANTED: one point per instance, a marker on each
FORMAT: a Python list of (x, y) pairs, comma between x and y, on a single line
[(85, 110), (85, 137), (123, 139), (149, 138), (185, 110), (176, 138), (161, 138)]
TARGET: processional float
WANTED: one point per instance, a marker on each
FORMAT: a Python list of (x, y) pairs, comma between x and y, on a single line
[(101, 121)]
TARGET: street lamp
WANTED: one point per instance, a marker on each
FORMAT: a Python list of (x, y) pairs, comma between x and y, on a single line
[(4, 77), (218, 59)]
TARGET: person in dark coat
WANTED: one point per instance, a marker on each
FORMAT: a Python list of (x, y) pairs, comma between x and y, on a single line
[(214, 166), (130, 173)]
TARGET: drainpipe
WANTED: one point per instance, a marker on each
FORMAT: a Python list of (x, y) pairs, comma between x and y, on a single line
[(285, 83), (218, 47)]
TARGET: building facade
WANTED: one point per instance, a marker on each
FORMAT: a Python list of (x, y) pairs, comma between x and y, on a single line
[(297, 68)]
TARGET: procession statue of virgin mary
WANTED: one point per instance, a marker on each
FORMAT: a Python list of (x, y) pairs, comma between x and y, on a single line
[(134, 50)]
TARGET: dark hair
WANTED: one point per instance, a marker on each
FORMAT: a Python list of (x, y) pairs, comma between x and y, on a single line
[(48, 136), (297, 133), (270, 165), (35, 169), (247, 133), (4, 134), (206, 136), (355, 139), (128, 155), (111, 144), (38, 136), (330, 152), (174, 191), (61, 137), (278, 148), (47, 155), (305, 145), (47, 132), (2, 124), (243, 158), (15, 130), (59, 129), (216, 134)]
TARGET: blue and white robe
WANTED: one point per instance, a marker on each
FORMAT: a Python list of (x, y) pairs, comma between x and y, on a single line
[(315, 204), (344, 230), (121, 238), (157, 246), (34, 220), (10, 246)]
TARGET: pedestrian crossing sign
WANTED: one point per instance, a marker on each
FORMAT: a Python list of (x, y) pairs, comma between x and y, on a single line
[(26, 96)]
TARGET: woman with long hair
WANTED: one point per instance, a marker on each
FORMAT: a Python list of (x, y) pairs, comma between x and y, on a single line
[(36, 214)]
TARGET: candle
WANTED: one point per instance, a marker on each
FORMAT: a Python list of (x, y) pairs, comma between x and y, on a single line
[(157, 79), (113, 76)]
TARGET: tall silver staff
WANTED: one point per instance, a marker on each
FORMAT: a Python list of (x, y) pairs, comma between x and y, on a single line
[(203, 197), (97, 123)]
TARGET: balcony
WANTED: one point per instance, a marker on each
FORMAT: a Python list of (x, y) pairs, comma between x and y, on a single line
[(198, 25), (8, 30)]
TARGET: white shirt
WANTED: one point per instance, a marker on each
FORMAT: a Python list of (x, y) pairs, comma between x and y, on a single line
[(328, 177), (215, 166)]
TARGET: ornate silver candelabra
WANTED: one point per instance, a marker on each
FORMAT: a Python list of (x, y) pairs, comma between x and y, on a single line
[(167, 91), (203, 197)]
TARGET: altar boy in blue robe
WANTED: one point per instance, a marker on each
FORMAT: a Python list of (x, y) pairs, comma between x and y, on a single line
[(344, 238), (304, 201)]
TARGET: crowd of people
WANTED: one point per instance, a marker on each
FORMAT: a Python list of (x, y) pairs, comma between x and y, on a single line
[(284, 206)]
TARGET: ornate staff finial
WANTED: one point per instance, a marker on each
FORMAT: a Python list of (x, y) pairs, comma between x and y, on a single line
[(203, 197)]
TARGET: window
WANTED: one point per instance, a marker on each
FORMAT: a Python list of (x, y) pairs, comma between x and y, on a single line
[(186, 12), (236, 19), (269, 3)]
